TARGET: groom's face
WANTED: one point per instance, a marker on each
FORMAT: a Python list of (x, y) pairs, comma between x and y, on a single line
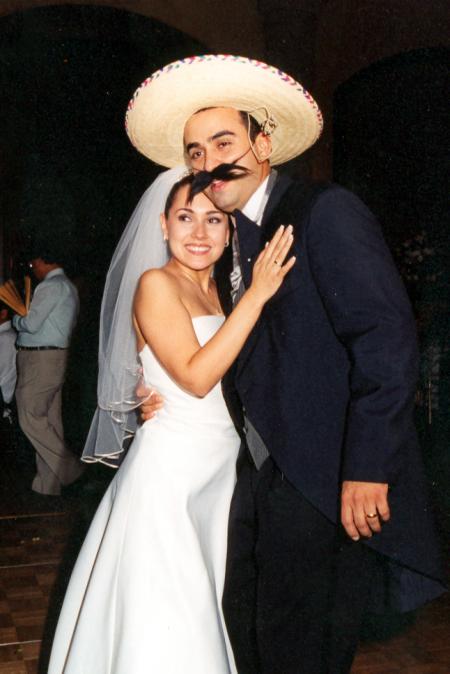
[(217, 136)]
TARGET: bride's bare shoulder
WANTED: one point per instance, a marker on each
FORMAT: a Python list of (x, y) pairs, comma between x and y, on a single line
[(156, 288), (156, 278)]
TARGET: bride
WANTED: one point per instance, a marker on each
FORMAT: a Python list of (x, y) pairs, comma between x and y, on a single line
[(145, 593)]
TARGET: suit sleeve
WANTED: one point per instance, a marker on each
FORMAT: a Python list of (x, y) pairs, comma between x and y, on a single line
[(370, 313)]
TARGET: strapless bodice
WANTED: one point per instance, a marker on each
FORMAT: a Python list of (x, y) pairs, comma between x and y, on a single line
[(183, 409)]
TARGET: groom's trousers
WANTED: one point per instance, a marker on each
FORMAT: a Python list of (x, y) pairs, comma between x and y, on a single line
[(296, 587)]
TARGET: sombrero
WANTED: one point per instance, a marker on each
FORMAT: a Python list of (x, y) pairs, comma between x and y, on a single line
[(160, 108)]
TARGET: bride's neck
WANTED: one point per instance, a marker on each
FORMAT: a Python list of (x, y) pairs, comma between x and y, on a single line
[(199, 277)]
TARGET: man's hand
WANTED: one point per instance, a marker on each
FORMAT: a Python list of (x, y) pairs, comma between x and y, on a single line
[(364, 506), (151, 404)]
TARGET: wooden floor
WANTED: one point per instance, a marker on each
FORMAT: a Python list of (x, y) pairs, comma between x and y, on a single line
[(39, 540)]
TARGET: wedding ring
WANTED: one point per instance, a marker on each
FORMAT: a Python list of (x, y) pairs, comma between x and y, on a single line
[(276, 262), (371, 515)]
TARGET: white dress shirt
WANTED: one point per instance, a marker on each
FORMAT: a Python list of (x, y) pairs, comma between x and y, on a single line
[(52, 315), (253, 210), (8, 374)]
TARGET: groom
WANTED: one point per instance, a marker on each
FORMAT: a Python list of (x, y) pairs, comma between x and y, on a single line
[(329, 515)]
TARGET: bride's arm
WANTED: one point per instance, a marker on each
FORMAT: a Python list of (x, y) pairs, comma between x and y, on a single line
[(165, 324)]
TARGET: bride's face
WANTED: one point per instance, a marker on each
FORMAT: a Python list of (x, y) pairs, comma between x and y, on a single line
[(197, 232)]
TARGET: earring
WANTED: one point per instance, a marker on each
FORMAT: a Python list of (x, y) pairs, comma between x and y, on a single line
[(227, 243)]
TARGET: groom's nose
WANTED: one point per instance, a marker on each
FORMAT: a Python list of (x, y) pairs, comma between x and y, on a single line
[(211, 161)]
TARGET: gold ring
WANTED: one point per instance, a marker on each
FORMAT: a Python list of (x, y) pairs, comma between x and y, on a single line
[(371, 515)]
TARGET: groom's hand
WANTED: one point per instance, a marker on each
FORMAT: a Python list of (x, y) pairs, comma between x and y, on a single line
[(151, 404), (364, 507)]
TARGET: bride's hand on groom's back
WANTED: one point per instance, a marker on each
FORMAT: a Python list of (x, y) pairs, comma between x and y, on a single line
[(151, 404)]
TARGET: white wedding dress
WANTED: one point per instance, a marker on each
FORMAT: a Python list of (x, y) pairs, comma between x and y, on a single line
[(145, 593)]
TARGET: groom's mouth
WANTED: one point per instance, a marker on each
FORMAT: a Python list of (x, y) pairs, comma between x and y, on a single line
[(197, 249), (218, 185)]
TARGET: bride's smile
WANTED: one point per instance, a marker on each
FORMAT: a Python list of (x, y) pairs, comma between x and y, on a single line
[(196, 231)]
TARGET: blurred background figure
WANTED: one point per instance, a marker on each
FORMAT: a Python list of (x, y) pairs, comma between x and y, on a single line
[(42, 344), (7, 363)]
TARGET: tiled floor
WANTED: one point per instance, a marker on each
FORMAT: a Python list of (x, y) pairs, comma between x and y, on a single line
[(24, 603), (423, 648), (39, 540), (38, 544)]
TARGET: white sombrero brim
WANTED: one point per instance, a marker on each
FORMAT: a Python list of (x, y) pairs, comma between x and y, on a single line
[(160, 108)]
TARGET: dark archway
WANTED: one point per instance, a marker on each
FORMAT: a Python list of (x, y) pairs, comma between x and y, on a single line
[(223, 26), (68, 174), (391, 135), (66, 75)]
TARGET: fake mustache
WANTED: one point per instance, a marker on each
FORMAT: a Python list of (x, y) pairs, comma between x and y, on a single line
[(225, 172)]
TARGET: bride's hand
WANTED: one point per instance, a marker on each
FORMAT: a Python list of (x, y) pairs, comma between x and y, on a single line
[(269, 270), (151, 402)]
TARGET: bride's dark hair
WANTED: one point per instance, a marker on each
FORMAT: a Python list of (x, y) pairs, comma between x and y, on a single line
[(186, 180)]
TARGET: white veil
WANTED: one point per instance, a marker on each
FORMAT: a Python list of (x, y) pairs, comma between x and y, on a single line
[(141, 247)]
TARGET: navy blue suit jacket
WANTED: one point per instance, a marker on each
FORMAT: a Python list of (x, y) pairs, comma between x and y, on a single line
[(328, 374)]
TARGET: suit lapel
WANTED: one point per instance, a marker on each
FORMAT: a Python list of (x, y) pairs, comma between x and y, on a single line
[(222, 271), (268, 224), (287, 204), (250, 243), (251, 238)]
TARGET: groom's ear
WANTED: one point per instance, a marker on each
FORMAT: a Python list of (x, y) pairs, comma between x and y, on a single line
[(263, 146), (162, 220)]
